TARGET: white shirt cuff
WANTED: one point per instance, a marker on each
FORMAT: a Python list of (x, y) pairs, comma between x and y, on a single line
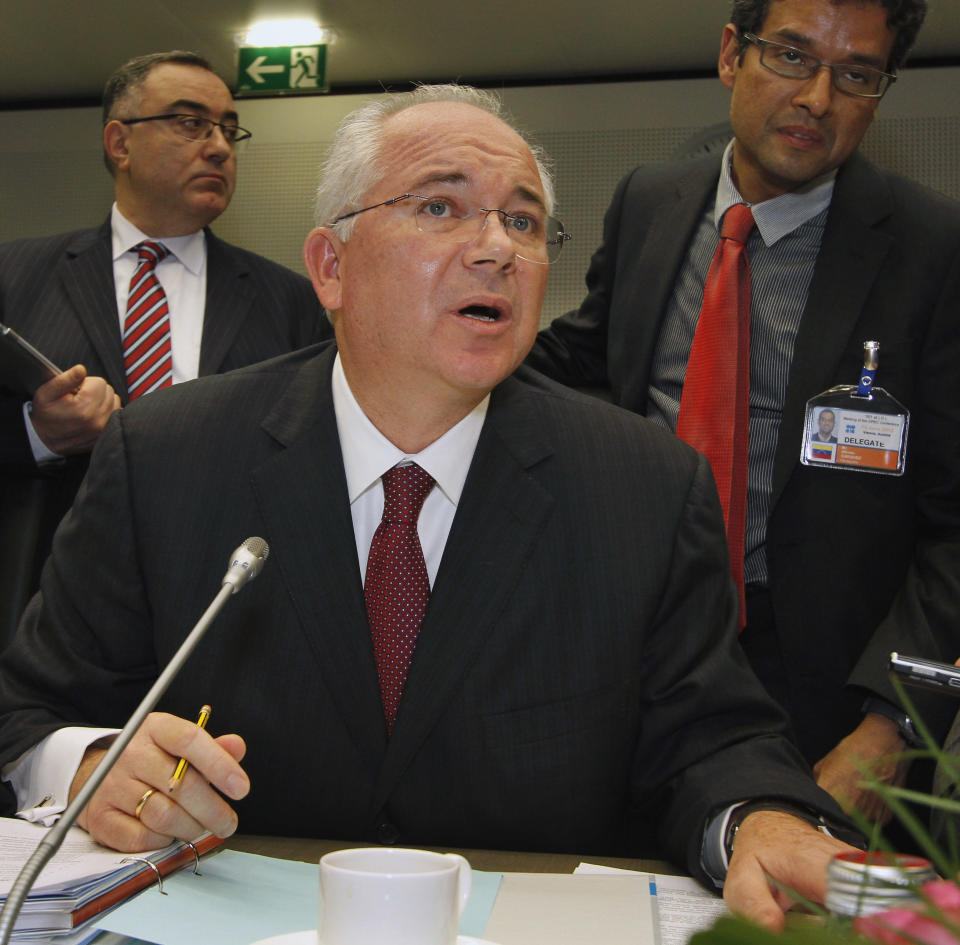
[(713, 852), (41, 777), (40, 452)]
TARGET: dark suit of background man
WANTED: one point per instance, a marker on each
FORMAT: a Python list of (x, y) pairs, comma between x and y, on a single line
[(61, 293), (875, 260), (576, 678)]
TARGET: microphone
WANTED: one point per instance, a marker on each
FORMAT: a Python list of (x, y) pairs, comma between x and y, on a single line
[(246, 563)]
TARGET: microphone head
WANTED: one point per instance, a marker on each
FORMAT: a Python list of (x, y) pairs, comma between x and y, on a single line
[(246, 562)]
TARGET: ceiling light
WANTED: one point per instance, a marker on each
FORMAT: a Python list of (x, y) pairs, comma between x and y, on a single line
[(286, 33)]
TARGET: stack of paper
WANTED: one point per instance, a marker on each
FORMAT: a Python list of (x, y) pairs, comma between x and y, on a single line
[(81, 881)]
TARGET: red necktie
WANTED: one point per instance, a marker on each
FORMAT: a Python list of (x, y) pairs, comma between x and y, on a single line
[(396, 589), (146, 326), (715, 404)]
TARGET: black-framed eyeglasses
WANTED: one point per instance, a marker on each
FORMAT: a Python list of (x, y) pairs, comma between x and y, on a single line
[(792, 63), (195, 127), (537, 237)]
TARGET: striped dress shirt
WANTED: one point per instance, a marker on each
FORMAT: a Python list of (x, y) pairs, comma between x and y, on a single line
[(782, 251)]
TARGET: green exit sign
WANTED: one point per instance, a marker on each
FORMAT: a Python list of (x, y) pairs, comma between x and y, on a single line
[(282, 69)]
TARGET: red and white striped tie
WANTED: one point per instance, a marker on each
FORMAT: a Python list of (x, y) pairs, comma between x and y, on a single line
[(146, 326)]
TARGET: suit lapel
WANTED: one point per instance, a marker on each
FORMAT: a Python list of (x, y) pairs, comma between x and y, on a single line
[(86, 274), (228, 304), (501, 514), (663, 248), (850, 259), (302, 494)]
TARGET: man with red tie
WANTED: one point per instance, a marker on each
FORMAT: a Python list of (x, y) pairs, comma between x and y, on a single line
[(148, 299), (840, 253), (495, 613)]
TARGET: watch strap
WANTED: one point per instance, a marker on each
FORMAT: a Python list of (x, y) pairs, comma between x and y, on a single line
[(905, 727)]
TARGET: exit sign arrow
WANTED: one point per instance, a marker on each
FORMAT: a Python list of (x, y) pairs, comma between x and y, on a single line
[(257, 70)]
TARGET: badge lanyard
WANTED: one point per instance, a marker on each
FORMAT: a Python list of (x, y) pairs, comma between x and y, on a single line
[(859, 427)]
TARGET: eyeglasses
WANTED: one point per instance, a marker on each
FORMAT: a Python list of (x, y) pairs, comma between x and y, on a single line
[(537, 237), (195, 128), (793, 63)]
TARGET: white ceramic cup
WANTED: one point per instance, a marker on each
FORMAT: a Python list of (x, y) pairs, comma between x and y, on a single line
[(378, 895)]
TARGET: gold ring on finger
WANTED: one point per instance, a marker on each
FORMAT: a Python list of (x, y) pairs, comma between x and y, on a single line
[(143, 801)]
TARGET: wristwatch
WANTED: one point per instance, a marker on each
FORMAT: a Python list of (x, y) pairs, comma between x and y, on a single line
[(739, 814), (905, 727)]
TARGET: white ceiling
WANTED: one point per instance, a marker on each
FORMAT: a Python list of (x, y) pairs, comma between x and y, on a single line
[(58, 51)]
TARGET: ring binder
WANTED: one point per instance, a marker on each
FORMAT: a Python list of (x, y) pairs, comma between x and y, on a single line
[(152, 865), (60, 907), (196, 858)]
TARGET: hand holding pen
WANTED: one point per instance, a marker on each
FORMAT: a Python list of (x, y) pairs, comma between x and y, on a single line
[(135, 810)]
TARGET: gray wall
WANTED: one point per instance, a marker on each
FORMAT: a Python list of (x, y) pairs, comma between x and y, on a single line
[(52, 178)]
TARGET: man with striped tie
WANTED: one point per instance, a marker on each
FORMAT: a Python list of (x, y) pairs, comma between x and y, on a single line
[(148, 299)]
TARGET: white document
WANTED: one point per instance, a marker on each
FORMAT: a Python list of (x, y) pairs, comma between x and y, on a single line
[(566, 909), (685, 907), (79, 858), (681, 906)]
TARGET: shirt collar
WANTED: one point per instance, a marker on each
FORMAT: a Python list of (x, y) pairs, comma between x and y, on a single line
[(368, 454), (189, 249), (779, 216)]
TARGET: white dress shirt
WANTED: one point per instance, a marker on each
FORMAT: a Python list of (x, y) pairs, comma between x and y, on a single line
[(368, 454)]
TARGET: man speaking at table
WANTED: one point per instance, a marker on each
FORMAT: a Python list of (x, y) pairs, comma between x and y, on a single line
[(555, 567)]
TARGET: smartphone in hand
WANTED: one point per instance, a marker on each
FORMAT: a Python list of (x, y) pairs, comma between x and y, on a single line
[(926, 674), (23, 364)]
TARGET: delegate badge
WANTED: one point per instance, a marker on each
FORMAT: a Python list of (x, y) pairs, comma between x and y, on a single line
[(860, 427)]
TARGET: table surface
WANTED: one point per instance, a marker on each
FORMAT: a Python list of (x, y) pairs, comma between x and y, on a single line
[(505, 861)]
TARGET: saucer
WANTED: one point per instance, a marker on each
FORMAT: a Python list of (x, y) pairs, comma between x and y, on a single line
[(309, 937)]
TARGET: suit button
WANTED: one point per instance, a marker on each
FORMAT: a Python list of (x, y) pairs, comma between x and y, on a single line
[(387, 833)]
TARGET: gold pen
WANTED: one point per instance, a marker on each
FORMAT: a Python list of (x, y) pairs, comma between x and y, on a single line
[(183, 764)]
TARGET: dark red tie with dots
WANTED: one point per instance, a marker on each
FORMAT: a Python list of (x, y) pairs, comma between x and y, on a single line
[(396, 589), (146, 326), (715, 404)]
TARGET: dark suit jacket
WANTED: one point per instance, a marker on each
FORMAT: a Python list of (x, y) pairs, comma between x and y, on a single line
[(58, 292), (881, 554), (576, 669)]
